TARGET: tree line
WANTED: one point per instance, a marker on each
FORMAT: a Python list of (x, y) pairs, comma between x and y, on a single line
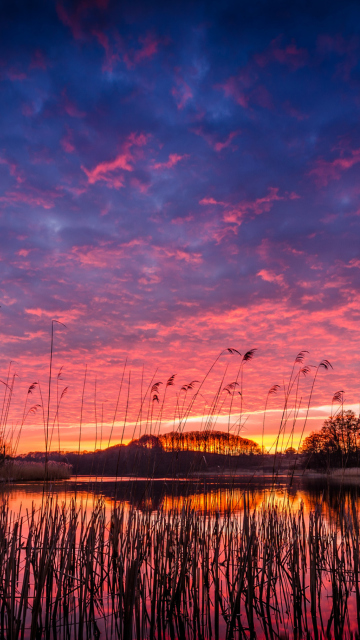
[(220, 442)]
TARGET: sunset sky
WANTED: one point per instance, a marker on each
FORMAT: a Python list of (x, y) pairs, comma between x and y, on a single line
[(178, 178)]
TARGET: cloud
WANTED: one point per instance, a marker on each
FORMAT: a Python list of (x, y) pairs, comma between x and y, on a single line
[(122, 162), (74, 15), (205, 201), (112, 56), (181, 93), (236, 88), (246, 90), (327, 170), (270, 276), (214, 142), (149, 46), (290, 55), (354, 263), (219, 146), (13, 168), (32, 197), (173, 160), (67, 142), (255, 207), (69, 314)]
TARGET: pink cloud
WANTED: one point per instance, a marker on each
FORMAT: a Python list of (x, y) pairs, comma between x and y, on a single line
[(178, 254), (69, 314), (149, 47), (123, 162), (270, 276), (233, 89), (256, 207), (325, 171), (206, 201), (219, 146), (32, 197), (174, 158), (104, 255), (234, 214), (215, 144), (354, 263), (142, 187), (244, 91), (67, 142), (194, 258), (111, 57), (13, 169), (181, 93), (100, 257), (181, 221), (290, 55)]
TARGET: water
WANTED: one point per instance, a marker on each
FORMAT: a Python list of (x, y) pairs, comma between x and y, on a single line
[(211, 494), (226, 511)]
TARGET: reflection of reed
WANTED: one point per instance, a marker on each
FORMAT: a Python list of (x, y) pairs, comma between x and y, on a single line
[(254, 566)]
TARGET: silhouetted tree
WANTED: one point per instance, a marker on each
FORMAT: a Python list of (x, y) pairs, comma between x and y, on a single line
[(147, 442), (337, 443)]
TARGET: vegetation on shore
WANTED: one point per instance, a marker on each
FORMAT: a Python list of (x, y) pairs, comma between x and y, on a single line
[(16, 470), (336, 445)]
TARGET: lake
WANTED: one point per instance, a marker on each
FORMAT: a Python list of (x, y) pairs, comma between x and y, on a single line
[(204, 494), (206, 558)]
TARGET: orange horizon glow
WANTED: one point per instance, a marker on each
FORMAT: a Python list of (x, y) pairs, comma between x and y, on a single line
[(290, 435)]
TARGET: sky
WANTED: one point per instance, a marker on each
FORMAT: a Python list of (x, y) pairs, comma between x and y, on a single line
[(177, 179)]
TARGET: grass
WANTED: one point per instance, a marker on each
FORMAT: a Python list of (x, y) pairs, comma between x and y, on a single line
[(15, 470)]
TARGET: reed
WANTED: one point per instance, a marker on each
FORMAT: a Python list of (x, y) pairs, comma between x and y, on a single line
[(71, 572), (83, 571), (16, 470)]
